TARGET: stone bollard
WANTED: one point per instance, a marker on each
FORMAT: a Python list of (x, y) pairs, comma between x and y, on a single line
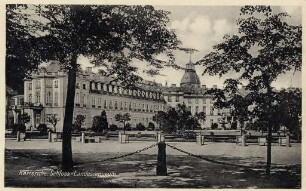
[(243, 140), (18, 136), (119, 137), (200, 139), (50, 136), (288, 140), (161, 168), (83, 137), (160, 137)]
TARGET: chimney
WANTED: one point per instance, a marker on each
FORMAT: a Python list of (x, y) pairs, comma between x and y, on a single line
[(89, 69), (173, 85), (204, 86), (214, 86)]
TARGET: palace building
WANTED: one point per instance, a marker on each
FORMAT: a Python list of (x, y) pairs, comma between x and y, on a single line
[(192, 94), (45, 95)]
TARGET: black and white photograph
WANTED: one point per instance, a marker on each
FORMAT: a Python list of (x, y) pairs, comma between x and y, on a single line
[(147, 95)]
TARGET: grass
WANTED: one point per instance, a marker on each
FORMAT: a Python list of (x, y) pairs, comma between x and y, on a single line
[(139, 171)]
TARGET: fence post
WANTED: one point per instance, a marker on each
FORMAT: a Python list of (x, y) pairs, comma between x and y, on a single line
[(243, 140), (83, 137), (161, 169), (288, 140), (50, 136), (18, 136)]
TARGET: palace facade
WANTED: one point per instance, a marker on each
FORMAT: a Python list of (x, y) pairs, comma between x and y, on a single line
[(193, 95), (45, 95)]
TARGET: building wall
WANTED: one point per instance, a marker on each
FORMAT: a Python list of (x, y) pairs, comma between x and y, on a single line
[(91, 98)]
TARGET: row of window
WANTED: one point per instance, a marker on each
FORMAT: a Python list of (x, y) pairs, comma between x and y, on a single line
[(197, 101), (211, 111), (49, 98), (49, 83), (119, 105)]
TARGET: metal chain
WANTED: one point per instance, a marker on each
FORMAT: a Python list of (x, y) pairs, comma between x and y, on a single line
[(210, 160), (124, 155)]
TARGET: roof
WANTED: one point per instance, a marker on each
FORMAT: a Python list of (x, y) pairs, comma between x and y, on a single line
[(190, 77)]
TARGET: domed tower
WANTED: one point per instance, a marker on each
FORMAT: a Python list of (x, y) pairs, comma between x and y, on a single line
[(190, 78)]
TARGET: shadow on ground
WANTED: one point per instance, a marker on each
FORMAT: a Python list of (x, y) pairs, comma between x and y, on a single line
[(139, 171)]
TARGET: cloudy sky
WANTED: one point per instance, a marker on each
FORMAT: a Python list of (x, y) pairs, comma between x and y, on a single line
[(200, 27)]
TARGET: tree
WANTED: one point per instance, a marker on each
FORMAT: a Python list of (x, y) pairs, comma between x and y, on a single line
[(20, 43), (265, 47), (99, 123), (161, 120), (111, 35), (53, 120), (123, 118), (25, 118), (79, 121), (201, 116), (140, 127), (151, 126)]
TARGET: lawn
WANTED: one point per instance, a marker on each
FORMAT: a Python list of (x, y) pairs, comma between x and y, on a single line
[(138, 171)]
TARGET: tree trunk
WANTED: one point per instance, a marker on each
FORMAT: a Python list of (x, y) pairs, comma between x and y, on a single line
[(67, 162), (270, 124)]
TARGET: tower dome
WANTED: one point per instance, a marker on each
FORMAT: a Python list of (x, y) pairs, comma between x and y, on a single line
[(190, 77)]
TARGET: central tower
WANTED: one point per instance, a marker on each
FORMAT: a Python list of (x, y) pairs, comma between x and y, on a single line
[(190, 77)]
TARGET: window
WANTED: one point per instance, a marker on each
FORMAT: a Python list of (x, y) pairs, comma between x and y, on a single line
[(99, 101), (77, 98), (37, 97), (204, 109), (125, 105), (116, 105), (189, 100), (37, 119), (55, 99), (105, 104), (30, 98), (204, 100), (48, 99), (197, 109), (169, 98), (84, 99), (30, 86), (93, 101), (189, 107), (38, 84), (121, 105), (84, 86), (211, 111), (56, 83), (177, 99), (110, 105), (197, 101), (77, 85)]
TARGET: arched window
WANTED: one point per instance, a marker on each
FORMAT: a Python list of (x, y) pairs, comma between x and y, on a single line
[(77, 98), (37, 97), (116, 105)]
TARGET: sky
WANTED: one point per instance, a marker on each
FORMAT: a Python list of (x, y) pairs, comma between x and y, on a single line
[(200, 27)]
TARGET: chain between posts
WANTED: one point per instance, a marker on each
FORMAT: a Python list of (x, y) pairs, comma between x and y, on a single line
[(124, 155), (210, 160)]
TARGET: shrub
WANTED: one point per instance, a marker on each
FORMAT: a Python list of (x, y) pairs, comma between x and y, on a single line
[(128, 127), (189, 135), (18, 127), (42, 128), (140, 127), (151, 126), (113, 127), (214, 126)]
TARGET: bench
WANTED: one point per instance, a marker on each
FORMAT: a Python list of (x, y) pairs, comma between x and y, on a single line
[(262, 141)]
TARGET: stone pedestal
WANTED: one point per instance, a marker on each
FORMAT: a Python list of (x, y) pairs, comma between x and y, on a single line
[(123, 138), (160, 137), (83, 137), (200, 139)]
